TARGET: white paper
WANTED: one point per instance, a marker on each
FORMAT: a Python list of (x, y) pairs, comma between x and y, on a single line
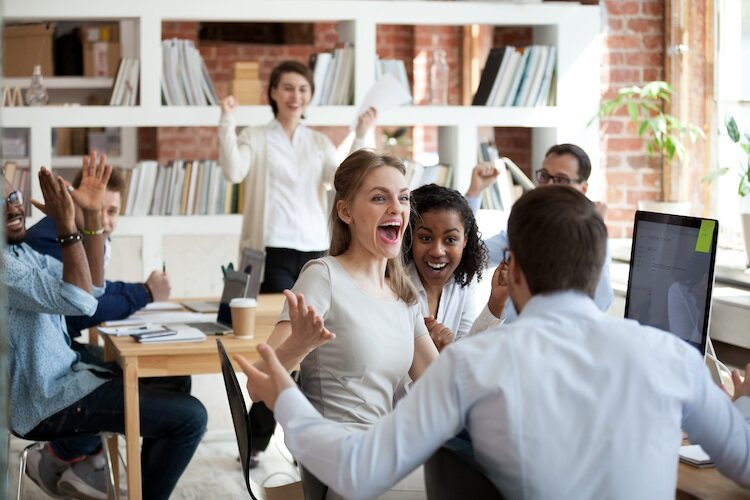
[(129, 330), (164, 317), (163, 306), (184, 333), (386, 94)]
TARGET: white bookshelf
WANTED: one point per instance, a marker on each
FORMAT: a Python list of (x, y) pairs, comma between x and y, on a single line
[(572, 28)]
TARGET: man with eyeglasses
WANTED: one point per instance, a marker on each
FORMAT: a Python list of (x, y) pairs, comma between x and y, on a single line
[(564, 164), (56, 397)]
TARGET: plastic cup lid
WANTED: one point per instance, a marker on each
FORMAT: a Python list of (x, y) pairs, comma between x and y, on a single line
[(242, 302)]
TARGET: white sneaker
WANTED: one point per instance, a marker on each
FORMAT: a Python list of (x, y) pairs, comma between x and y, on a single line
[(45, 470), (87, 479)]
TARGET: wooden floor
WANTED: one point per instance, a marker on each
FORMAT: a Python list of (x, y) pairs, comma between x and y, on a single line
[(215, 472)]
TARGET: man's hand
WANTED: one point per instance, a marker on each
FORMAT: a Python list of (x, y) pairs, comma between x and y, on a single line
[(158, 283), (741, 387), (440, 334), (308, 331), (265, 385), (228, 105), (58, 204), (482, 177), (366, 121), (90, 194), (499, 290)]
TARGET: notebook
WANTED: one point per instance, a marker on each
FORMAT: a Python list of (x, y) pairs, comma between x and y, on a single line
[(183, 333)]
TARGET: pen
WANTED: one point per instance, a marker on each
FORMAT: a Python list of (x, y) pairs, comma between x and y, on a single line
[(164, 266)]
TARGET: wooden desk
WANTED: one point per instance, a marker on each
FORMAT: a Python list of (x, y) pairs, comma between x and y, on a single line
[(706, 484), (171, 359)]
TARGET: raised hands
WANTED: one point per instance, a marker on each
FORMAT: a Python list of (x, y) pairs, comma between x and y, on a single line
[(308, 330), (267, 383), (440, 334), (90, 194), (499, 290), (482, 177), (366, 121), (58, 204), (228, 105)]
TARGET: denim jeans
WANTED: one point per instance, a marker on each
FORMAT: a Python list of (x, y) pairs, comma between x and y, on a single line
[(172, 425)]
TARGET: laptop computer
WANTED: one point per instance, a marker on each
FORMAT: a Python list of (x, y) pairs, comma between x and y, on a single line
[(672, 274), (236, 284)]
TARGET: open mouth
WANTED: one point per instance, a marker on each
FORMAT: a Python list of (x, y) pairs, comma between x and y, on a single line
[(437, 266), (390, 232), (14, 223)]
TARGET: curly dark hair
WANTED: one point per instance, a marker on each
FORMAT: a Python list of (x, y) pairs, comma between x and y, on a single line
[(433, 198)]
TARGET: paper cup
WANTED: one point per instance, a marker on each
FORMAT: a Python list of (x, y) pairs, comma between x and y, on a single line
[(243, 317)]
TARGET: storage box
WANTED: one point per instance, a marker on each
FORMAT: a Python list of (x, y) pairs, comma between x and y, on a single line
[(24, 46), (101, 49)]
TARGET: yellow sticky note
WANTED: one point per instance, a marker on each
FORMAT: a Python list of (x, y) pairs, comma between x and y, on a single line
[(705, 236)]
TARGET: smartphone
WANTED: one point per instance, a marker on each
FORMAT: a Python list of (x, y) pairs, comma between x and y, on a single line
[(140, 337)]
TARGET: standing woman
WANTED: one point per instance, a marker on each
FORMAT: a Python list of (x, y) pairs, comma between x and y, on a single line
[(286, 168)]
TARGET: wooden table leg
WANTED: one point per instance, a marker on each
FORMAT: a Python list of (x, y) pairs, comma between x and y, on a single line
[(114, 460), (132, 428)]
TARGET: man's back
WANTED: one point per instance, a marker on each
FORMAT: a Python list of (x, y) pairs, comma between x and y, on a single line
[(571, 403)]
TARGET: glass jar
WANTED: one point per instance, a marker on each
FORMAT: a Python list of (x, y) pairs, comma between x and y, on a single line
[(36, 94), (439, 78)]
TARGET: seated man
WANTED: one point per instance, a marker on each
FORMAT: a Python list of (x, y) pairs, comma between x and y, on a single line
[(120, 299), (566, 402), (53, 394), (565, 164)]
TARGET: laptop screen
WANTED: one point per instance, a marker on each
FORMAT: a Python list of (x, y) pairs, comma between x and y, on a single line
[(672, 274)]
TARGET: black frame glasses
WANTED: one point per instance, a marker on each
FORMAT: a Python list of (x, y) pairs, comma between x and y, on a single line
[(15, 198), (543, 177)]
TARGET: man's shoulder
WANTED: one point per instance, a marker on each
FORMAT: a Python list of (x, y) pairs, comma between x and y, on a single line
[(42, 237)]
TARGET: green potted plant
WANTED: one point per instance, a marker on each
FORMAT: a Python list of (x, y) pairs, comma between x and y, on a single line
[(665, 134), (742, 169)]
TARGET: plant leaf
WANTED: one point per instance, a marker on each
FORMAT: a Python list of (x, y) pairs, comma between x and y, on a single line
[(712, 176), (633, 112), (733, 130)]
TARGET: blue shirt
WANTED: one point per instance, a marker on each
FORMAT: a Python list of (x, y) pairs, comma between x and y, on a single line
[(46, 375), (496, 244), (120, 299)]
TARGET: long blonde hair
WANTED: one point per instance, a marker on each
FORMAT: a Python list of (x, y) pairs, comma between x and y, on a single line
[(349, 178)]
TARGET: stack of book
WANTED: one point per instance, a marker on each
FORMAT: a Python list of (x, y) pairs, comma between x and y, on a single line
[(125, 87), (181, 187), (19, 179), (185, 80), (245, 84), (418, 175), (333, 74), (394, 67), (518, 76)]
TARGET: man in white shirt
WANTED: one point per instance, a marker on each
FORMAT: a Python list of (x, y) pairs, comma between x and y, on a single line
[(566, 402)]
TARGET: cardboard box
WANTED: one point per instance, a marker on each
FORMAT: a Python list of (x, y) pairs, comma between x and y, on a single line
[(101, 49), (24, 46), (101, 58)]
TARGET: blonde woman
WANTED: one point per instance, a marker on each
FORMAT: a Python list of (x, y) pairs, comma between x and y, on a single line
[(353, 323)]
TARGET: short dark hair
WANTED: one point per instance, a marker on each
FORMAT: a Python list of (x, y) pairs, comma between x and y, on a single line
[(558, 239), (116, 181), (279, 71), (433, 198), (584, 162)]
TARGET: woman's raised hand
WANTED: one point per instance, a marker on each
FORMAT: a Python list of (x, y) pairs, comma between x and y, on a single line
[(366, 121), (308, 330), (228, 105)]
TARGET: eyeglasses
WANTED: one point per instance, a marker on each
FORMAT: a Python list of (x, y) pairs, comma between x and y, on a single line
[(15, 199), (543, 177), (506, 256)]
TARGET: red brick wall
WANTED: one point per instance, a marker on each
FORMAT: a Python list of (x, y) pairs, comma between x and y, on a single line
[(632, 53)]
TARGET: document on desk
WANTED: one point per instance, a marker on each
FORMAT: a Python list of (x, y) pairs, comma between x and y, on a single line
[(162, 306), (131, 329), (163, 317), (693, 454), (184, 333)]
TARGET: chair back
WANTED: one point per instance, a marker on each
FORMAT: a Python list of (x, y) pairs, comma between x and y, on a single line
[(239, 413), (448, 475)]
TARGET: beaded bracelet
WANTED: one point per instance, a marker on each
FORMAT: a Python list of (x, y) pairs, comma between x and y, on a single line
[(69, 239), (93, 232)]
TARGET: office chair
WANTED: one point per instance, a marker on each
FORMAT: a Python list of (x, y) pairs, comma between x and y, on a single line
[(239, 414), (449, 474)]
